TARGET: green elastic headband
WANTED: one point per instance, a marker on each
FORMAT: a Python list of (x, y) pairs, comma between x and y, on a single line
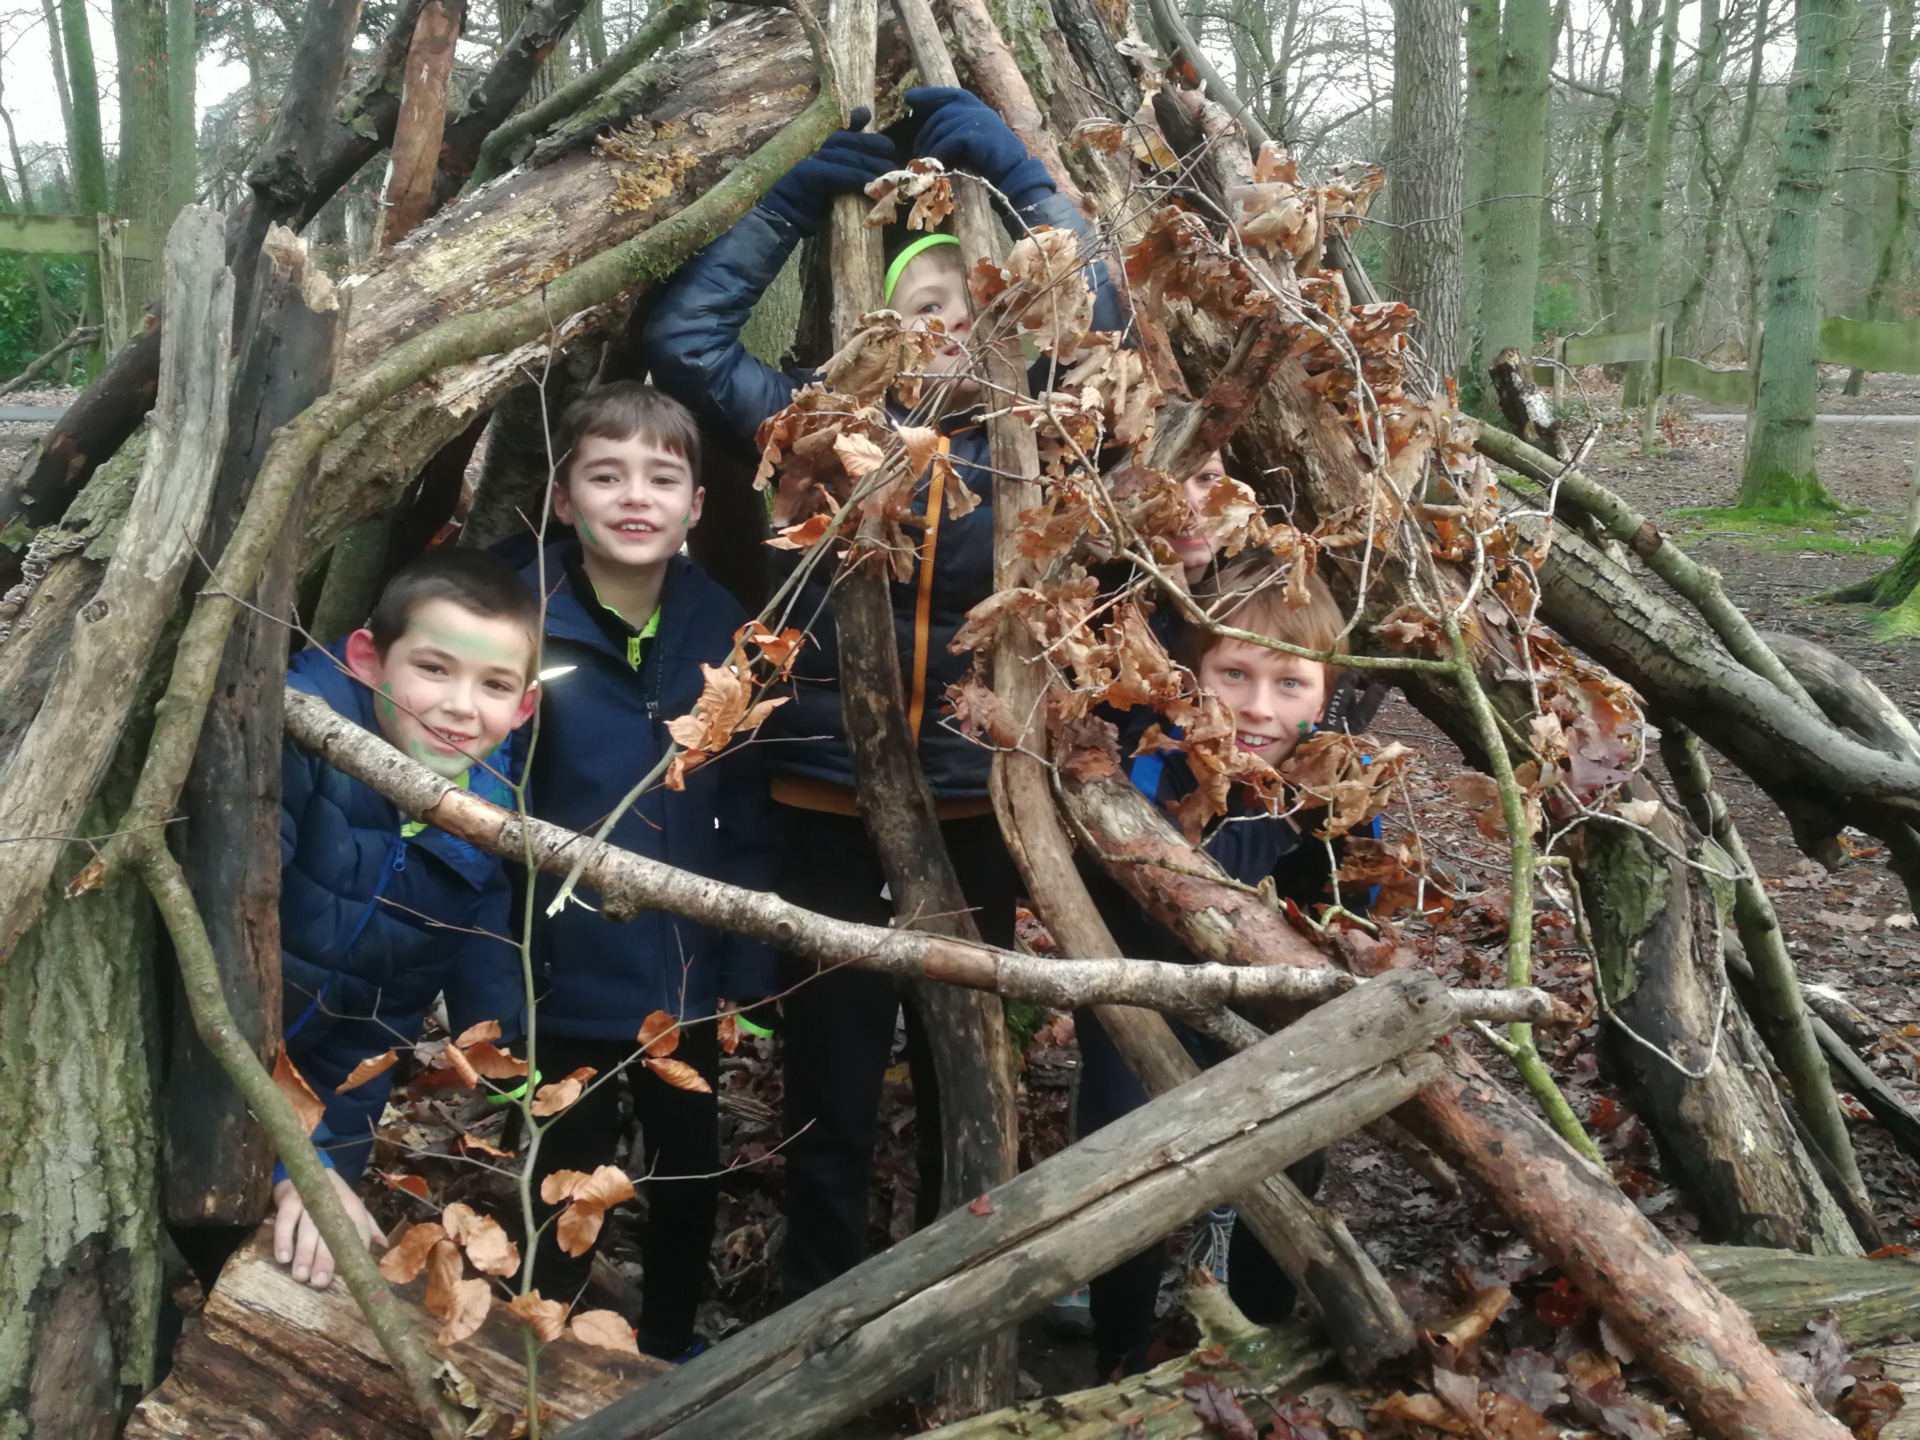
[(906, 257)]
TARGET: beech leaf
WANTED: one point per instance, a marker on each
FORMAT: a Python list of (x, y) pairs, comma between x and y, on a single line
[(306, 1105), (659, 1034), (368, 1068), (605, 1329), (680, 1075), (548, 1318), (406, 1256)]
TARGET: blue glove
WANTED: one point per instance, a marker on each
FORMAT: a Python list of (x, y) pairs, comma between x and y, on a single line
[(845, 165), (963, 132)]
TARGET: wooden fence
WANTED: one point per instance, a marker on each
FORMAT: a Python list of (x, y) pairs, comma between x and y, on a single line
[(109, 239)]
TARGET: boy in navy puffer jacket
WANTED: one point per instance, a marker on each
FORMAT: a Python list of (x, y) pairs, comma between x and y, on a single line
[(839, 1027), (1276, 700), (629, 623), (378, 914)]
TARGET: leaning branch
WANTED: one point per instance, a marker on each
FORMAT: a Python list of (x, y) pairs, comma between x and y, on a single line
[(214, 1020), (628, 884)]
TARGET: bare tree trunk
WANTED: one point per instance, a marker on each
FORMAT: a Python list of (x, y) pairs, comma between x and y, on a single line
[(1424, 174), (142, 165), (219, 1162), (415, 158)]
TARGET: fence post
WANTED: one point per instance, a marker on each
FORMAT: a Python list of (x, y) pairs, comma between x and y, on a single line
[(1559, 372), (1655, 374), (113, 284), (1754, 352)]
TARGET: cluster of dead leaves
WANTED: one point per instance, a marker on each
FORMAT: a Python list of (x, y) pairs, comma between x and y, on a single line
[(1042, 287), (726, 706), (459, 1238), (1177, 258), (925, 182)]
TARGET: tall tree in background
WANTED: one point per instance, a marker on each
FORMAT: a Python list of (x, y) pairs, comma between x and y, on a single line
[(1625, 132), (1482, 25), (1862, 184), (1510, 267), (85, 149), (1650, 245), (56, 51), (1895, 154), (142, 189), (182, 156), (1779, 471), (1423, 164), (1718, 166)]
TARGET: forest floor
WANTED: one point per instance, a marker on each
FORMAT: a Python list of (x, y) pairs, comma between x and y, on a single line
[(1851, 930)]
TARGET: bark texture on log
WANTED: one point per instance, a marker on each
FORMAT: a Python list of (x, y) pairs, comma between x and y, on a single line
[(65, 754), (687, 119), (422, 122), (833, 1354), (1695, 1338), (81, 1284), (281, 1359), (218, 1161), (1724, 1138)]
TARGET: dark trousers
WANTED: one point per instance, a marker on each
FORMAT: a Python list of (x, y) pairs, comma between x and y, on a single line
[(837, 1032), (1122, 1299), (680, 1131)]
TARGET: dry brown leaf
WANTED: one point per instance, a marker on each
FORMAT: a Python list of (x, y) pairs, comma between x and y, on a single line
[(368, 1068), (552, 1099), (805, 535), (659, 1034), (474, 1034), (456, 1060), (589, 1196), (605, 1329), (680, 1075), (306, 1105), (729, 1033), (488, 1248), (494, 1063), (859, 455), (406, 1256), (548, 1318)]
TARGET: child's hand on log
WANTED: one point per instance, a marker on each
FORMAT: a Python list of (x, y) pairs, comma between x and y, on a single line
[(296, 1239)]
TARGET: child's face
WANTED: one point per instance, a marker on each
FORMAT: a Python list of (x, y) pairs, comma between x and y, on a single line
[(1196, 550), (933, 287), (1276, 698), (630, 501), (451, 687)]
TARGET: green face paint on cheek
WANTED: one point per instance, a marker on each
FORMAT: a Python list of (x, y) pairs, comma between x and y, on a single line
[(384, 702), (586, 533)]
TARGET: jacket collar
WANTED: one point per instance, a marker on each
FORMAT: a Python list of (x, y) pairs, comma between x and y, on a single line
[(574, 613)]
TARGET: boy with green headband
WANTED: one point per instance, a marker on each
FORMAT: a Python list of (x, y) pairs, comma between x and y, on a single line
[(839, 1027)]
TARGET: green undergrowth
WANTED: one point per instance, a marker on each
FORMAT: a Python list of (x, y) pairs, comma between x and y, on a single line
[(1788, 531)]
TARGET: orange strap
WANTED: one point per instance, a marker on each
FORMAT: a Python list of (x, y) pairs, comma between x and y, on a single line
[(923, 606)]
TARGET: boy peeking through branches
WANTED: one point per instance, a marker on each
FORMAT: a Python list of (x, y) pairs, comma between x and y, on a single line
[(1273, 701), (379, 915), (839, 1027)]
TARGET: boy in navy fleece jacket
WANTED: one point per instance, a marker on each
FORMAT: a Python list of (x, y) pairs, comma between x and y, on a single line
[(629, 623), (378, 914)]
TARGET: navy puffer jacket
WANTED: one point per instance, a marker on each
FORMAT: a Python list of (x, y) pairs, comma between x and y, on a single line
[(692, 346), (373, 926), (602, 729)]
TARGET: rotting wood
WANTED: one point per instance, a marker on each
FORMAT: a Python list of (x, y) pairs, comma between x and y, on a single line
[(299, 1361), (218, 1161), (414, 159), (836, 1352), (61, 760)]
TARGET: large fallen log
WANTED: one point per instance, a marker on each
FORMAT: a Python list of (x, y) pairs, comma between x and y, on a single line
[(269, 1357), (841, 1349)]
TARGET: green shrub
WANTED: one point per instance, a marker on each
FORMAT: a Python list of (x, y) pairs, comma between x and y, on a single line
[(20, 338), (1556, 309)]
